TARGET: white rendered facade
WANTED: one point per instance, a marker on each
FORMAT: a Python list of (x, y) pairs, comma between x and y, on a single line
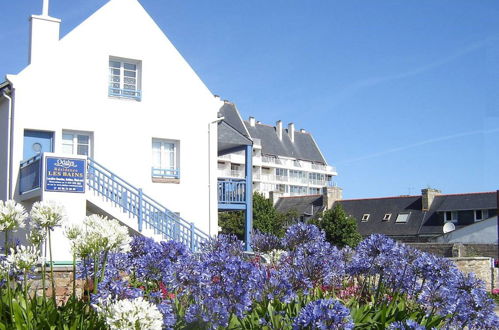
[(284, 175), (67, 92)]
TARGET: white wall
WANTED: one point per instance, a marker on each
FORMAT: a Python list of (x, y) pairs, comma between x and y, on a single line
[(4, 115), (70, 91)]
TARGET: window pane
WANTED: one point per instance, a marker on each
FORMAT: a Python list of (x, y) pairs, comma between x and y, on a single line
[(130, 74), (156, 155), (114, 64), (130, 66), (67, 138), (83, 150), (83, 139), (115, 72), (478, 214)]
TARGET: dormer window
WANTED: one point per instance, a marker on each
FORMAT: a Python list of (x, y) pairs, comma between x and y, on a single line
[(387, 217), (365, 217), (481, 215), (124, 78), (450, 216)]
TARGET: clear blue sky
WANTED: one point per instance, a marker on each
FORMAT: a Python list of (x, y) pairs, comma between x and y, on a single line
[(399, 95)]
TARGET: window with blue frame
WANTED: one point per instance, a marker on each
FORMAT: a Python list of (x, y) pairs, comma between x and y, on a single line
[(165, 159), (124, 78)]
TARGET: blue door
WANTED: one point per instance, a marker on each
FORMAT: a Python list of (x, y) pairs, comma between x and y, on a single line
[(36, 142)]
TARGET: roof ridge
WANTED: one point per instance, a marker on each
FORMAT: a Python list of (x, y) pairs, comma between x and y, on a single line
[(371, 198), (472, 193)]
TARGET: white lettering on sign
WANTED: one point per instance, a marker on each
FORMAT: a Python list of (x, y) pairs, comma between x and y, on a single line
[(66, 163)]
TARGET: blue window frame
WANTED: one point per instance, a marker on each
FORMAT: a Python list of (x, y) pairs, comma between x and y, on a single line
[(165, 160), (124, 78)]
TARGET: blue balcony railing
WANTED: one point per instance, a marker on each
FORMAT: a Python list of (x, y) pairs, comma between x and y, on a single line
[(164, 173), (30, 174), (148, 212), (231, 191), (125, 93)]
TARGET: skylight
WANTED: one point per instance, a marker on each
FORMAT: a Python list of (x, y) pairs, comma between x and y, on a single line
[(402, 217)]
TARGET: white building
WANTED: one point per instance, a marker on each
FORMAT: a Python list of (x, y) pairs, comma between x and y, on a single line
[(115, 94), (285, 160)]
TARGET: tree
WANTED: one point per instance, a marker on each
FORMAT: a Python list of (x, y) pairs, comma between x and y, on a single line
[(340, 228), (232, 222), (266, 219)]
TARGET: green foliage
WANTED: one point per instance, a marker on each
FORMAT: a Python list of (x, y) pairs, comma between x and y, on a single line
[(232, 222), (266, 219), (40, 313), (341, 229), (379, 315)]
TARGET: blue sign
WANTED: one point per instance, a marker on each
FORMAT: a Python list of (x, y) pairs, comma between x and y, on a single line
[(65, 174)]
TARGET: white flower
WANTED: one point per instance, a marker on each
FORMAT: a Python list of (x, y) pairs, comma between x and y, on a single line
[(273, 256), (12, 216), (48, 214), (4, 269), (36, 235), (98, 234), (131, 314), (24, 257)]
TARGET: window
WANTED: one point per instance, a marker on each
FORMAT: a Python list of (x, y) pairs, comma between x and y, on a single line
[(165, 163), (481, 214), (450, 216), (387, 217), (402, 218), (124, 78), (76, 143), (365, 217), (314, 191)]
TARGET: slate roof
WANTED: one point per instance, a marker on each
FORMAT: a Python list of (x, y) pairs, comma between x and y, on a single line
[(303, 148), (307, 206), (420, 222), (378, 207), (233, 118), (461, 202)]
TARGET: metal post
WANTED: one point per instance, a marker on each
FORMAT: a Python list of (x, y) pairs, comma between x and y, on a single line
[(192, 237), (140, 215), (249, 197)]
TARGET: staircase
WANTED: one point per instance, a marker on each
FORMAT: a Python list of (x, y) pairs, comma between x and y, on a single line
[(138, 210)]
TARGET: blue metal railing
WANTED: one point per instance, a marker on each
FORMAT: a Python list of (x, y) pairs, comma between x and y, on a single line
[(30, 174), (231, 191), (164, 173), (126, 93), (149, 213)]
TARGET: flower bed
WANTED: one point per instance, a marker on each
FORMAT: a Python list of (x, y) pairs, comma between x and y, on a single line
[(298, 282)]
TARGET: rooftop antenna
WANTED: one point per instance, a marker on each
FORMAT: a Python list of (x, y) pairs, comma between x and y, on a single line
[(45, 10)]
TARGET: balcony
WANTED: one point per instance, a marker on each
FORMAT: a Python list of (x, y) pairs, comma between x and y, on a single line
[(30, 174), (231, 194), (231, 174), (125, 93)]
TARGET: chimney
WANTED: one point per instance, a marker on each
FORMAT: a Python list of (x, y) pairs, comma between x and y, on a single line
[(302, 130), (278, 129), (252, 121), (274, 197), (331, 195), (428, 195), (44, 34), (291, 131)]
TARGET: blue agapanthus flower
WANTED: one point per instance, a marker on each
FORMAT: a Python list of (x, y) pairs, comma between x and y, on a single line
[(302, 233), (406, 325), (324, 314), (264, 243)]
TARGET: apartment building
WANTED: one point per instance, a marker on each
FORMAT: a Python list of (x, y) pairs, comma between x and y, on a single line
[(286, 161)]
